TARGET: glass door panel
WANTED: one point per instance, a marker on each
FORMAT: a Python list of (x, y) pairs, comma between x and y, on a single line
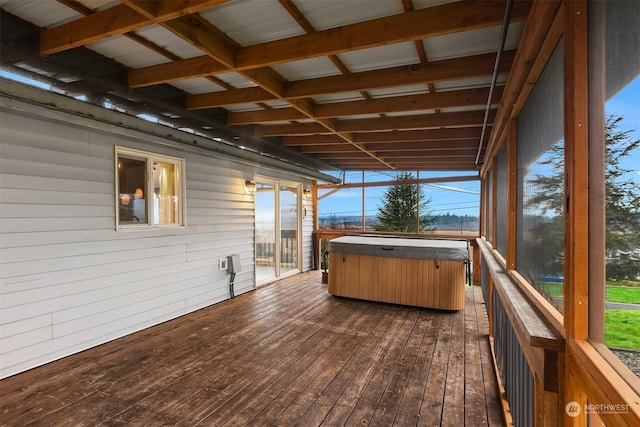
[(288, 229), (265, 232)]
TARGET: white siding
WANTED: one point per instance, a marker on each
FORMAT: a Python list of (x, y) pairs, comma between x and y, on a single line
[(69, 280), (307, 233)]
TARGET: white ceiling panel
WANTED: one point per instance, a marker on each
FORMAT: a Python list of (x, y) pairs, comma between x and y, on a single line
[(252, 22), (359, 116), (422, 4), (307, 68), (469, 83), (398, 91), (127, 52), (473, 42), (99, 4), (334, 13), (236, 80), (277, 104), (197, 85), (44, 14), (243, 107), (339, 97), (466, 108), (164, 38), (380, 57), (410, 113)]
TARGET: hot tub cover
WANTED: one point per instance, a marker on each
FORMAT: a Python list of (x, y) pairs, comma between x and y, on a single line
[(395, 247)]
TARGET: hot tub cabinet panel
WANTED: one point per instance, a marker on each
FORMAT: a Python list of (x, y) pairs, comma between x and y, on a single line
[(417, 272)]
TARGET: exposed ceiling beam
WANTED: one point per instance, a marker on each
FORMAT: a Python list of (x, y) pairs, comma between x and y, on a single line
[(115, 21), (430, 146), (459, 178), (428, 22), (429, 101), (435, 71), (422, 121), (216, 44), (411, 122), (470, 134)]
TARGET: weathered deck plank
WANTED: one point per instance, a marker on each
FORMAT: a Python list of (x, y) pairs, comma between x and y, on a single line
[(286, 354)]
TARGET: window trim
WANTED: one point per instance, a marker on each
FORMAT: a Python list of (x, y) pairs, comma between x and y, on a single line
[(150, 158)]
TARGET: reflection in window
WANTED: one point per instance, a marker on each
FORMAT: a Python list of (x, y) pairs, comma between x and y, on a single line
[(131, 183), (148, 197), (543, 223), (615, 56), (540, 184), (165, 193), (622, 185)]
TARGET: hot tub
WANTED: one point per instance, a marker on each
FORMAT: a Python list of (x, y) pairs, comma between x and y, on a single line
[(417, 272)]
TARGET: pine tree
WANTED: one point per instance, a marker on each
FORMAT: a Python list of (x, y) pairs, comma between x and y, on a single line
[(622, 204), (399, 209)]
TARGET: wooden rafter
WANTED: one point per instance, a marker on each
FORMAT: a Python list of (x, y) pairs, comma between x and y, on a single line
[(116, 20)]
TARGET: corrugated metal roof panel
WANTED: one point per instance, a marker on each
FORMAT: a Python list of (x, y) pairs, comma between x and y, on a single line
[(197, 85), (338, 97), (397, 91), (465, 108), (474, 42), (127, 52), (334, 13), (44, 14), (250, 22), (470, 83), (243, 107), (306, 69), (236, 80), (410, 113), (359, 116), (277, 104), (422, 4), (381, 57), (98, 4), (169, 41)]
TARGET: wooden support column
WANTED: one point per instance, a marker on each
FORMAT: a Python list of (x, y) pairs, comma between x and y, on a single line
[(576, 125), (512, 168)]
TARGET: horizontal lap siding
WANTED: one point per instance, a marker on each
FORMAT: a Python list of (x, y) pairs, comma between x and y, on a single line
[(68, 279), (307, 233)]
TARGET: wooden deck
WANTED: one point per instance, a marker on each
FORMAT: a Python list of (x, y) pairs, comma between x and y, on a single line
[(286, 354)]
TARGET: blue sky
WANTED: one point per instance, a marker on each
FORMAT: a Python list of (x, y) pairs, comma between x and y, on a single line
[(463, 198)]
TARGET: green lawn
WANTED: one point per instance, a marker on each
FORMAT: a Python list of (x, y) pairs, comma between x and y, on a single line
[(621, 328), (615, 292), (626, 294)]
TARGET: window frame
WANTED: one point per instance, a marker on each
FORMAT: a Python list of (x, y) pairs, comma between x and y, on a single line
[(150, 158)]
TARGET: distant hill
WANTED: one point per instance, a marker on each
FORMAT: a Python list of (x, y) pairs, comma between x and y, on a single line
[(444, 222)]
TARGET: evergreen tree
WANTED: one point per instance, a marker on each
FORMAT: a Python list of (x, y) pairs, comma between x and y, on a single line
[(622, 204), (399, 210)]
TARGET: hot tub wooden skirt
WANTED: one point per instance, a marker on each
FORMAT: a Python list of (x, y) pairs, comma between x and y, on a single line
[(416, 282)]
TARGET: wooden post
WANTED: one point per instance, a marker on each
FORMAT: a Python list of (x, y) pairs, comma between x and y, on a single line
[(576, 125)]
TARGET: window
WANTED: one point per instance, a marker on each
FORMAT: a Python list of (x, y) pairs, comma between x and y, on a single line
[(150, 189), (540, 184)]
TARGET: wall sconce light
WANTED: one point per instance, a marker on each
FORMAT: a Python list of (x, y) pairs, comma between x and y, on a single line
[(307, 193), (251, 187)]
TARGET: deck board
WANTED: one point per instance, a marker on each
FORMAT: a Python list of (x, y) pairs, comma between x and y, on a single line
[(286, 354)]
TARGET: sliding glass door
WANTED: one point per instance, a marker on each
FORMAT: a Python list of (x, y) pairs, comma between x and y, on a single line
[(277, 229), (265, 200)]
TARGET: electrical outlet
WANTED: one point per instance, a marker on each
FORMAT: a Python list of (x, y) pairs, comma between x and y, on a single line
[(222, 263)]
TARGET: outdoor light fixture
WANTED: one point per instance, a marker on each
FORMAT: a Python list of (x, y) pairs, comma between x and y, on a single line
[(251, 187), (307, 193)]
